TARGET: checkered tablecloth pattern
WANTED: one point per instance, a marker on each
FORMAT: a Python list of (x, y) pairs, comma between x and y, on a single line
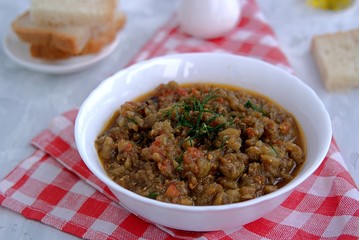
[(55, 187), (252, 37)]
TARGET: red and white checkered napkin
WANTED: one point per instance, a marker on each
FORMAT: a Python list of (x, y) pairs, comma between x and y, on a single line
[(55, 187)]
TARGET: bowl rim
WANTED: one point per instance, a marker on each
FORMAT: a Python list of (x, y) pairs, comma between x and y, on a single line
[(293, 184)]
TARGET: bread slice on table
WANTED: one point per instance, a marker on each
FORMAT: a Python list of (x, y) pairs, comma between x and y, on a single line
[(72, 12), (337, 59), (105, 34), (100, 37), (71, 39)]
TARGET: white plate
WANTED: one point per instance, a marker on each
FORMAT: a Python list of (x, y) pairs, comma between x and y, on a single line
[(19, 52)]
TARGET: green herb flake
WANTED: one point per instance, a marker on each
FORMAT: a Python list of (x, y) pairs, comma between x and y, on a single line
[(131, 119), (179, 168), (274, 150), (253, 106), (190, 112), (179, 160), (153, 195)]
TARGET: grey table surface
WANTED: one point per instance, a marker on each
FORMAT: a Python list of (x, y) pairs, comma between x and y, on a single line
[(29, 100)]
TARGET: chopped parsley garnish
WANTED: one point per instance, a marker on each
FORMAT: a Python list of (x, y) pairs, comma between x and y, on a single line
[(153, 195), (189, 113), (253, 106), (179, 160)]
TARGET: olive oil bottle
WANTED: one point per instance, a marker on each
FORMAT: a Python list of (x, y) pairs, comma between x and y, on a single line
[(333, 5)]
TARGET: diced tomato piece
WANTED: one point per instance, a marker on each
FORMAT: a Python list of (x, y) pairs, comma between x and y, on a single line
[(172, 191), (250, 132), (192, 154), (128, 147), (182, 92)]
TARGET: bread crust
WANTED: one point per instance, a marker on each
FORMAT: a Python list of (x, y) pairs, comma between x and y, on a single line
[(69, 39), (84, 27), (72, 13), (100, 38), (337, 58)]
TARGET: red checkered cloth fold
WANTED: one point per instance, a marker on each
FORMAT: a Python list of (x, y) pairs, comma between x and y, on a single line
[(55, 187)]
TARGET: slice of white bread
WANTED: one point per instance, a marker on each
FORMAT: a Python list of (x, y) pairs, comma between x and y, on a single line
[(337, 59), (100, 37), (72, 12), (71, 39)]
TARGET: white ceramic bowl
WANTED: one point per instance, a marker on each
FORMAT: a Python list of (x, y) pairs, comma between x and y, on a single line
[(271, 81)]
